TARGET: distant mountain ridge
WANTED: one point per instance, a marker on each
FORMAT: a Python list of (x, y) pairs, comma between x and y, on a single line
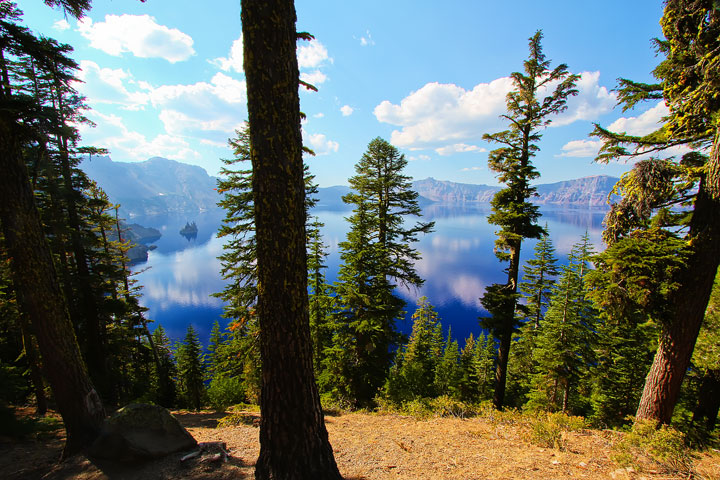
[(155, 186), (162, 186), (590, 191)]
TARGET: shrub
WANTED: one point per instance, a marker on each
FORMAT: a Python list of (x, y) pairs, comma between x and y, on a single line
[(225, 391), (657, 446), (548, 431)]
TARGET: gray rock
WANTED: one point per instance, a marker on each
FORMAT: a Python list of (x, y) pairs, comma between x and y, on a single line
[(141, 432)]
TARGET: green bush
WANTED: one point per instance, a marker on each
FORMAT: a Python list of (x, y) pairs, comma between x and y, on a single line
[(548, 431), (225, 391), (659, 446)]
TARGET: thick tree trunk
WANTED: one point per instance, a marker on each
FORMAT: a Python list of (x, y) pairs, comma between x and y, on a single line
[(689, 302), (40, 297), (293, 440), (31, 355)]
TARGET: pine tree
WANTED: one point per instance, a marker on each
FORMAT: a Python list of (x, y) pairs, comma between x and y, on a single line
[(447, 371), (413, 375), (512, 212), (164, 388), (191, 370), (378, 251), (293, 438), (564, 346), (469, 382), (319, 296), (679, 195)]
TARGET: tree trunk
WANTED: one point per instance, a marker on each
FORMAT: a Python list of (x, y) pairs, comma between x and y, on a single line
[(293, 440), (689, 301), (31, 355), (508, 327), (40, 297)]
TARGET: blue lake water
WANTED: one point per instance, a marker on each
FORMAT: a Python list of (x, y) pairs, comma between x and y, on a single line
[(457, 264)]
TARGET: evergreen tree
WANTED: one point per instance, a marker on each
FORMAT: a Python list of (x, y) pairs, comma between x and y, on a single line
[(679, 195), (469, 385), (293, 438), (512, 212), (564, 346), (538, 280), (447, 371), (485, 349), (215, 351), (378, 251), (164, 388), (413, 375), (191, 370), (319, 296)]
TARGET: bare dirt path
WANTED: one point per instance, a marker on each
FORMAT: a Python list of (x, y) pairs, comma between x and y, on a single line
[(367, 446)]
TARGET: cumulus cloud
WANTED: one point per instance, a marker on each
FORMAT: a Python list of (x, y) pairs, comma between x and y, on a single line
[(314, 78), (234, 60), (591, 101), (140, 35), (124, 143), (110, 86), (61, 25), (312, 54), (439, 115), (421, 157), (471, 169), (320, 144), (458, 148), (346, 110), (646, 122), (581, 148), (319, 115)]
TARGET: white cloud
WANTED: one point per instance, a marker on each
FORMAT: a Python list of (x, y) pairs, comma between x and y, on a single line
[(346, 110), (109, 86), (591, 101), (314, 78), (319, 115), (125, 144), (439, 115), (421, 157), (320, 144), (646, 122), (312, 54), (61, 25), (367, 39), (234, 60), (581, 148), (139, 35), (459, 148), (471, 169)]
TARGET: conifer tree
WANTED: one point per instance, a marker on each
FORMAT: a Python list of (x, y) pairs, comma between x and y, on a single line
[(469, 386), (191, 370), (377, 252), (447, 372), (293, 438), (165, 370), (319, 295), (679, 194), (564, 346), (517, 218), (413, 375)]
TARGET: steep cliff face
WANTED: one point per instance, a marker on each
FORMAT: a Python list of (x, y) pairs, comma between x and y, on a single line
[(155, 186), (588, 191)]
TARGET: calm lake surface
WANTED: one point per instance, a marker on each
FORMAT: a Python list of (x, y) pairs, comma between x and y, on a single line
[(457, 264)]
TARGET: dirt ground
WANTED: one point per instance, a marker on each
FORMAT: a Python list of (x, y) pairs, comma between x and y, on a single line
[(367, 446)]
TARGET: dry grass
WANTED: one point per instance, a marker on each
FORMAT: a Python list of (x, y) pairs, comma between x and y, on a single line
[(369, 446)]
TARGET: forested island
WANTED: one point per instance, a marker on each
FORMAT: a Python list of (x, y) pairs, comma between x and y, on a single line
[(616, 350)]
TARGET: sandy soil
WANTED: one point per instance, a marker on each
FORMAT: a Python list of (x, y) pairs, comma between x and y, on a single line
[(367, 446)]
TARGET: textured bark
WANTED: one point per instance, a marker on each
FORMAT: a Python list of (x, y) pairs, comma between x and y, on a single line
[(681, 329), (31, 355), (293, 439), (506, 338), (40, 297)]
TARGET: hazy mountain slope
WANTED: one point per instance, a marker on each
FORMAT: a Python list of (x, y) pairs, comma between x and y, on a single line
[(155, 186)]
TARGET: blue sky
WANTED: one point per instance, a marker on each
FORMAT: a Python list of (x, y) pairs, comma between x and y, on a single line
[(164, 78)]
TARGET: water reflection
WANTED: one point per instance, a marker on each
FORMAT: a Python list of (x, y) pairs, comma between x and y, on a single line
[(457, 264)]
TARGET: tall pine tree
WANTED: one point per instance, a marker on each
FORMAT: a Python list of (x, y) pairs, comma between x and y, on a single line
[(527, 113)]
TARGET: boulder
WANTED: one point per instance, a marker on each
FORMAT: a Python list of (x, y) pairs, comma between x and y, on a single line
[(141, 432)]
